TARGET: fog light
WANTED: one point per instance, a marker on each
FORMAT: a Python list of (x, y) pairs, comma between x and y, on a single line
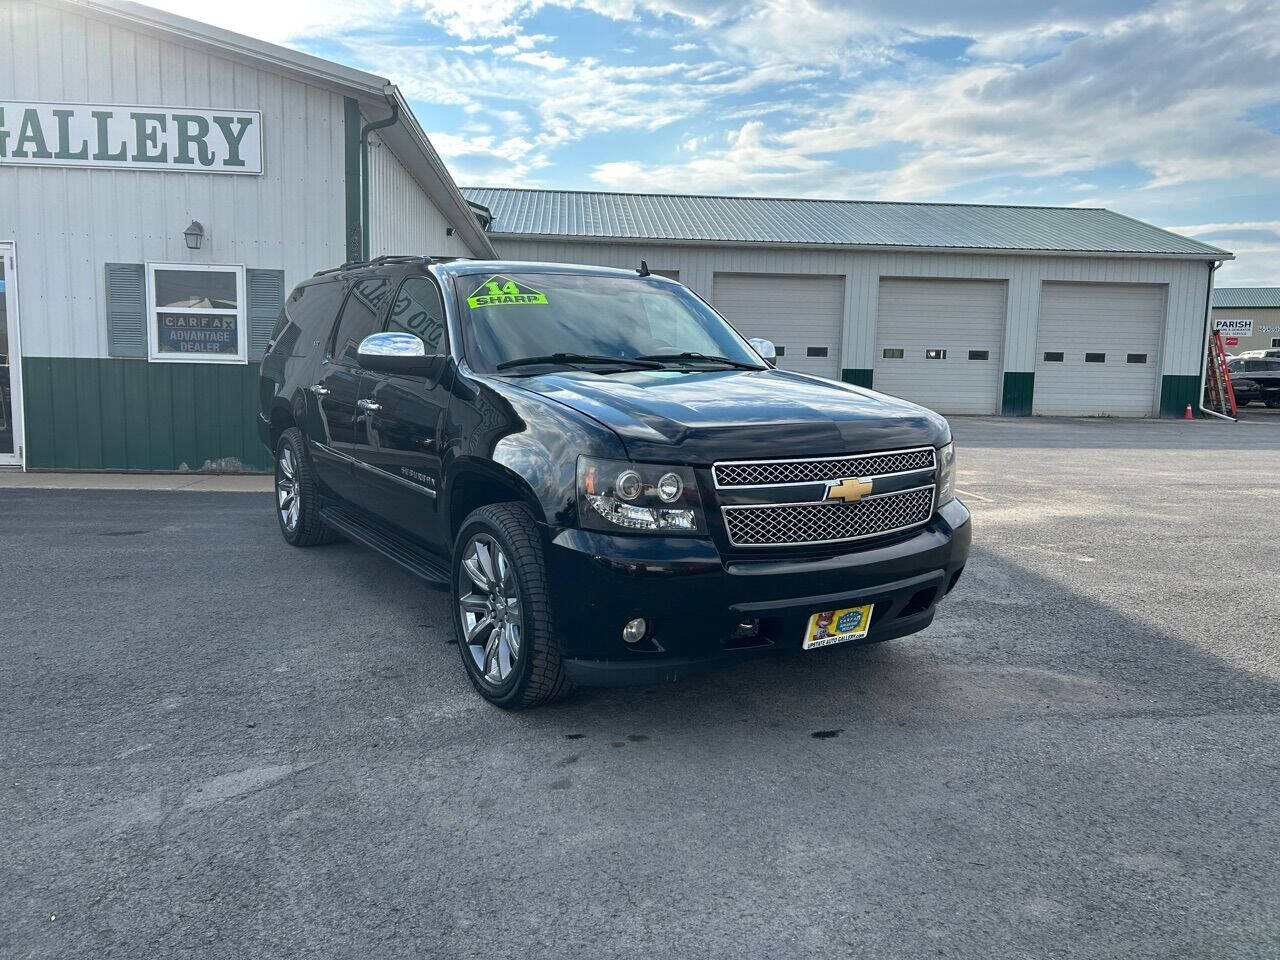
[(746, 628), (634, 631)]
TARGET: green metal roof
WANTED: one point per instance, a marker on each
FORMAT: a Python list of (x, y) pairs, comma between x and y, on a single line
[(1246, 298), (777, 221)]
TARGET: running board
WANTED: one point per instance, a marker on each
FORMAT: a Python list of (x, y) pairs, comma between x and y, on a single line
[(413, 558)]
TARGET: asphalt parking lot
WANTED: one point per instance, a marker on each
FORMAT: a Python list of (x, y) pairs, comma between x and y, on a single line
[(215, 745)]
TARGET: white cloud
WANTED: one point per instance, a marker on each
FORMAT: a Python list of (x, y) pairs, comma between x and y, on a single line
[(553, 100), (280, 21), (1047, 101), (745, 164), (540, 58), (1256, 244), (1162, 90)]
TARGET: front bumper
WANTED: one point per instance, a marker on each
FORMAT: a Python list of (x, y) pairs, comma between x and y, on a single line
[(694, 600)]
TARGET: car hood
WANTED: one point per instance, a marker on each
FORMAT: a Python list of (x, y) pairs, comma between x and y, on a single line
[(699, 417)]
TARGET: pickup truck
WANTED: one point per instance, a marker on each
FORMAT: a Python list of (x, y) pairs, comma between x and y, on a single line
[(613, 485)]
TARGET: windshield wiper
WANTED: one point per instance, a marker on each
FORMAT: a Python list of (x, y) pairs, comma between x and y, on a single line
[(704, 357), (640, 362)]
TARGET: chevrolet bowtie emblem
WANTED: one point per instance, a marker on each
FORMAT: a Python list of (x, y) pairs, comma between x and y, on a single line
[(850, 490)]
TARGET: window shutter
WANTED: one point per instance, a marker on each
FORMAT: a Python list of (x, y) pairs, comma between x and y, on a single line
[(126, 310), (266, 300)]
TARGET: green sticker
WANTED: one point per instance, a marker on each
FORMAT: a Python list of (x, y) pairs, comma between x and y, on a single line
[(503, 291)]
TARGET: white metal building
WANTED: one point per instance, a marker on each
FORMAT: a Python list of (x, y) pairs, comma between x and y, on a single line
[(966, 308), (163, 184), (1250, 317)]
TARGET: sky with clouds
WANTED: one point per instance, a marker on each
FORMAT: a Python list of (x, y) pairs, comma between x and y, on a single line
[(1168, 112)]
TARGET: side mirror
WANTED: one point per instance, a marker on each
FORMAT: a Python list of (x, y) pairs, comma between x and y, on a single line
[(768, 352), (401, 353)]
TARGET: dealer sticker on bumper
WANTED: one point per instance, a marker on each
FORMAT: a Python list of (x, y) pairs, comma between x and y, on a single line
[(837, 626)]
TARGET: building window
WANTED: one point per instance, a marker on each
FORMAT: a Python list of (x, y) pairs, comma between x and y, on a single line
[(979, 354), (1054, 356), (1095, 358), (196, 312), (1275, 341), (1136, 358), (815, 352), (893, 353), (779, 351), (935, 354)]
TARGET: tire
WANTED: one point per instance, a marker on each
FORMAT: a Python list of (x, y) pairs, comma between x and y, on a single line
[(515, 601), (299, 518)]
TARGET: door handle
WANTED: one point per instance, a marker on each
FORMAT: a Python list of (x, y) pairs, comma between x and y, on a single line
[(320, 390), (371, 405)]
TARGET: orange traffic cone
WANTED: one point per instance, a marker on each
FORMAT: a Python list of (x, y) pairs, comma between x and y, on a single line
[(1188, 415)]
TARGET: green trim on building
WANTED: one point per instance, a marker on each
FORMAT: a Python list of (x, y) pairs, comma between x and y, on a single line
[(1176, 391), (113, 414), (858, 376), (352, 121), (1019, 387)]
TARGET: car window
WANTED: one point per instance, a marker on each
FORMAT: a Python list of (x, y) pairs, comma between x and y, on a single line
[(359, 316), (515, 315), (419, 310), (314, 306)]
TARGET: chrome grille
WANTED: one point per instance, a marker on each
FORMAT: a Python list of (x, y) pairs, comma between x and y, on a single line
[(762, 473), (826, 522)]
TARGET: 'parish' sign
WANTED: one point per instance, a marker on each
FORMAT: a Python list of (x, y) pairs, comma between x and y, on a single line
[(170, 139)]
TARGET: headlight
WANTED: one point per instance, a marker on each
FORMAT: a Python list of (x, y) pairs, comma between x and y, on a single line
[(946, 473), (646, 497)]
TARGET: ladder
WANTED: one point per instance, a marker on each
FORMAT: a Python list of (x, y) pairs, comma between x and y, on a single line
[(1220, 396)]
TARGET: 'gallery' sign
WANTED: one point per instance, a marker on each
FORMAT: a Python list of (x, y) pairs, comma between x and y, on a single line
[(136, 138)]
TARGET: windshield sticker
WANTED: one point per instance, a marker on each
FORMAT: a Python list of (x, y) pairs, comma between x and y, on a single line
[(503, 291)]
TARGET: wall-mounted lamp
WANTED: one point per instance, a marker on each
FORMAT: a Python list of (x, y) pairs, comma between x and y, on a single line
[(194, 235)]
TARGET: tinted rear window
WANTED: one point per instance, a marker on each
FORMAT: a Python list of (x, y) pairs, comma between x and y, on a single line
[(313, 307), (360, 316)]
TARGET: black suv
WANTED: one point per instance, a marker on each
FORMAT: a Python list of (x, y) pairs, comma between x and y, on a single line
[(614, 485)]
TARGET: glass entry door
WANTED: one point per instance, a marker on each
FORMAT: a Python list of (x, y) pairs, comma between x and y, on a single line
[(10, 361)]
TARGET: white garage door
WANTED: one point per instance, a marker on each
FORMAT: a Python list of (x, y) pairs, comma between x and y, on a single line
[(1098, 349), (938, 343), (802, 315)]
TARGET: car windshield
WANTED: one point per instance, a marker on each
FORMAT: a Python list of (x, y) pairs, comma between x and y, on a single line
[(516, 315)]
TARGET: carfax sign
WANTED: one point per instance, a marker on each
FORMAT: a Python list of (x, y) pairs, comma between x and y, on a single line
[(1232, 327), (196, 333), (172, 139)]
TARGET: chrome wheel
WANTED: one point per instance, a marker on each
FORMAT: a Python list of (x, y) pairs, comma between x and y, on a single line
[(288, 496), (489, 602)]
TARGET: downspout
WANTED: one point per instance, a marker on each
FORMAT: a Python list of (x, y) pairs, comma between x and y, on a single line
[(367, 129), (1204, 347)]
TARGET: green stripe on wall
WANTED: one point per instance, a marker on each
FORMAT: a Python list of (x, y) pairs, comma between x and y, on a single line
[(112, 414), (1018, 390), (1176, 391), (858, 376)]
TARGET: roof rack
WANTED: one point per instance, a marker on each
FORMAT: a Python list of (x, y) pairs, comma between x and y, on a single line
[(385, 259)]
